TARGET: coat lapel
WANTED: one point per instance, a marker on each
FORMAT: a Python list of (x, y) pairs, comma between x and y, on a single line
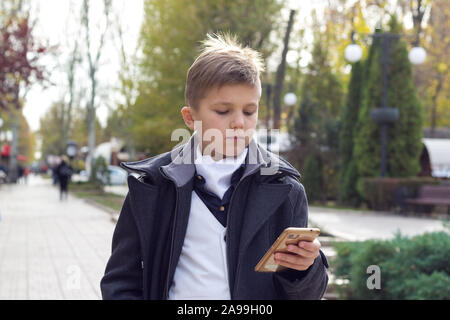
[(182, 217)]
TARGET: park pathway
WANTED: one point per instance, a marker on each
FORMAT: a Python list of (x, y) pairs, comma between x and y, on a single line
[(50, 249)]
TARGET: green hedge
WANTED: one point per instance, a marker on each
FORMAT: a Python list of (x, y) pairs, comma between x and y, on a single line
[(379, 193), (410, 268)]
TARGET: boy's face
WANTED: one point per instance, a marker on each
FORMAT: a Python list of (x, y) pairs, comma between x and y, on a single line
[(225, 113)]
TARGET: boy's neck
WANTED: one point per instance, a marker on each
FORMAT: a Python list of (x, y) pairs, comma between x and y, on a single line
[(216, 156)]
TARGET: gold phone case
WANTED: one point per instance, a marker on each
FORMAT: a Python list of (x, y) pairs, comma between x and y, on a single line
[(288, 236)]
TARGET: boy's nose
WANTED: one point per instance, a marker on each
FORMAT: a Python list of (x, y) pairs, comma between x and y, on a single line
[(237, 122)]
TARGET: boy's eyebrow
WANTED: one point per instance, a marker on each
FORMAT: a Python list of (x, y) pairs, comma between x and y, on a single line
[(230, 104)]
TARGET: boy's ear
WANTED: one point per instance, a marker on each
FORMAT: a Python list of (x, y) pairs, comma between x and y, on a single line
[(187, 113)]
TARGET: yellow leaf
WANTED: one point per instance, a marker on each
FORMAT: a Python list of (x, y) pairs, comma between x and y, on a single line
[(442, 67)]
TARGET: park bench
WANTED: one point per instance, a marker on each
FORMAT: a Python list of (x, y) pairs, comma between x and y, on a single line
[(431, 196)]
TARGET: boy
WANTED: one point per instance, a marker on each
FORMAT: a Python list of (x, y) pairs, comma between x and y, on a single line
[(199, 218)]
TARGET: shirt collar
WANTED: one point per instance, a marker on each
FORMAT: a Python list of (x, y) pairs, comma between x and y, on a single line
[(218, 176)]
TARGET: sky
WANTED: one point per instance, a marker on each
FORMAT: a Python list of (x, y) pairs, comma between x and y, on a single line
[(57, 23)]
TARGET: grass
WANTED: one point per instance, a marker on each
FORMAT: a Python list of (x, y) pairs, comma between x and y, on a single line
[(95, 193)]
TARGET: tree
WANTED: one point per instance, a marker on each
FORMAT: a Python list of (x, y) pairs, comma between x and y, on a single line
[(52, 123), (347, 168), (118, 125), (19, 64), (317, 124), (367, 140), (120, 120), (80, 128), (72, 64), (433, 77), (26, 144), (51, 126), (93, 61), (313, 178), (280, 74), (404, 136)]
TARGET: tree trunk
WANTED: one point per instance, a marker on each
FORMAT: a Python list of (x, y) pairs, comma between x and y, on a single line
[(280, 75), (268, 102), (434, 108), (13, 167), (70, 79), (93, 68), (91, 126)]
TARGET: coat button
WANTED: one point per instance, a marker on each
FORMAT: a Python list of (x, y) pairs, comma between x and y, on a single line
[(199, 177), (222, 208)]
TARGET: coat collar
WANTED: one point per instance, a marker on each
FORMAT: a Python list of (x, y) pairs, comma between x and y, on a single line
[(178, 164)]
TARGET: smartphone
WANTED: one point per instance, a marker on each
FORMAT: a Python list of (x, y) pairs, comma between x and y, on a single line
[(288, 236)]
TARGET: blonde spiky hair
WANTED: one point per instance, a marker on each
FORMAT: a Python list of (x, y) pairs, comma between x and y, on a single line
[(222, 61)]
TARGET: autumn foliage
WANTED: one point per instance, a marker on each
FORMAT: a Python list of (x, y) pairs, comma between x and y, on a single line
[(19, 55)]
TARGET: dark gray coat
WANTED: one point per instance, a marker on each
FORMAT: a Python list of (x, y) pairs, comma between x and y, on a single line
[(150, 231)]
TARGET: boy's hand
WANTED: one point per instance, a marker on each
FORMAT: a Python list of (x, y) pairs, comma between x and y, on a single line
[(301, 256)]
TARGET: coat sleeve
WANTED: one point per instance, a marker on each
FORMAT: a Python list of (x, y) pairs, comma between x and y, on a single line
[(309, 284), (123, 275)]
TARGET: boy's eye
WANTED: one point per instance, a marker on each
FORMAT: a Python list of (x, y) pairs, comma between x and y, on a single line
[(225, 112)]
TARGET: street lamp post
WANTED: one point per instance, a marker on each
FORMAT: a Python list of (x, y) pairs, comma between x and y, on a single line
[(268, 115), (384, 115)]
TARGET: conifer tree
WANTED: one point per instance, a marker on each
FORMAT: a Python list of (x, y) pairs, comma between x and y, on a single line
[(347, 167), (404, 135)]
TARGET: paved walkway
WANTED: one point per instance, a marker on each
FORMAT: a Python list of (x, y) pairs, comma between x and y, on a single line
[(356, 225), (50, 249)]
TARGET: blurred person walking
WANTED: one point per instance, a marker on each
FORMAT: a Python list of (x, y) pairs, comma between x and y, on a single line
[(63, 172)]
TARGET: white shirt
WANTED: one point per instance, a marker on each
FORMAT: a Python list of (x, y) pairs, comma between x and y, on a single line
[(202, 271), (218, 174)]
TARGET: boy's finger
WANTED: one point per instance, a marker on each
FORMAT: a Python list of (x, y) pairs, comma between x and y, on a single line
[(287, 260), (300, 251), (287, 257), (293, 259), (291, 265), (310, 246)]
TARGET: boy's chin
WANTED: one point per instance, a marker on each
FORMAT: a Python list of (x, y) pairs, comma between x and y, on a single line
[(229, 152)]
